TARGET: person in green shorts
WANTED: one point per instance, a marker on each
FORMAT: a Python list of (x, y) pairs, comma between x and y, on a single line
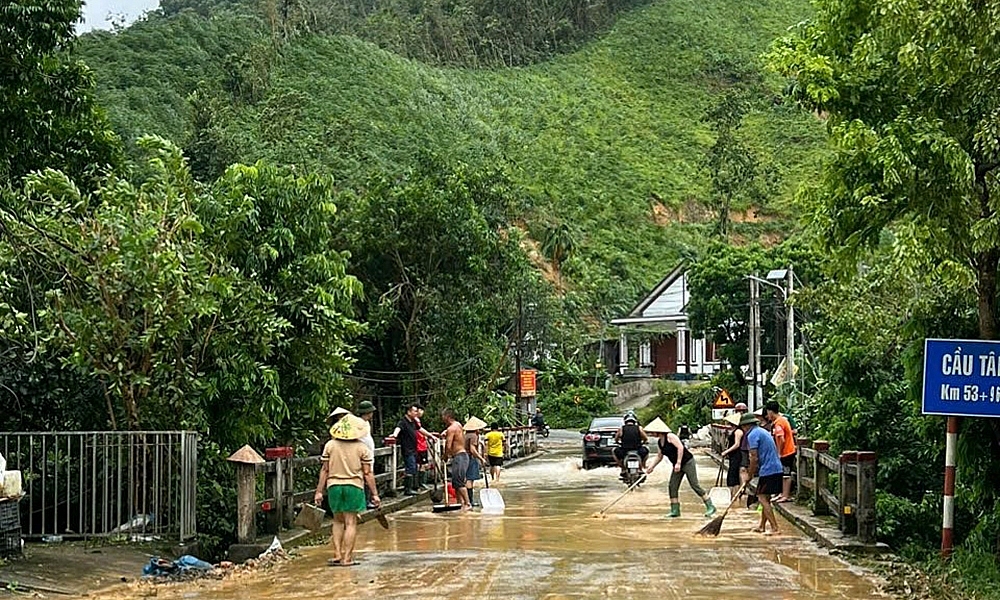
[(345, 471)]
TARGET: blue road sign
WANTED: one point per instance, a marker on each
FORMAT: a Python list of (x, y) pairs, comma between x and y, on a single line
[(961, 378)]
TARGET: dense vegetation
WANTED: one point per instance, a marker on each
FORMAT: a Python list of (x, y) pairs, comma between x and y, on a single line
[(244, 216), (608, 143)]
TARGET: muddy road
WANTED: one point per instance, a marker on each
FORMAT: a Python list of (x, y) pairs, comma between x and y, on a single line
[(548, 545)]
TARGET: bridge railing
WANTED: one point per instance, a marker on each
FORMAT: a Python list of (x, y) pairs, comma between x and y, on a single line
[(842, 486), (291, 480), (839, 485)]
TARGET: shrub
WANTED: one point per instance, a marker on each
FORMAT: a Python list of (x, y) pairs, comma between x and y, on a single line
[(678, 404), (573, 407), (902, 523)]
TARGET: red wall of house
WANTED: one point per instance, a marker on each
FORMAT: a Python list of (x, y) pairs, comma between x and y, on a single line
[(665, 355)]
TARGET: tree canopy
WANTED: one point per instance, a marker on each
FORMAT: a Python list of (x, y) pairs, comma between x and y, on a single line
[(909, 91), (47, 109)]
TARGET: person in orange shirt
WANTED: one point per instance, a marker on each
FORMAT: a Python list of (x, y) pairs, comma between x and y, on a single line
[(784, 439)]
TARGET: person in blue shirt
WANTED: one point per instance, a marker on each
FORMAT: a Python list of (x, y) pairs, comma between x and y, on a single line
[(766, 465)]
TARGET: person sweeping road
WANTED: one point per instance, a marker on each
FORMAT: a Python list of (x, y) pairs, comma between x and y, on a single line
[(766, 465), (684, 466)]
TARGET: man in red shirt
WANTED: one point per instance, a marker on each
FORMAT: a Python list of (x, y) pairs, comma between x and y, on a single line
[(784, 439), (422, 464)]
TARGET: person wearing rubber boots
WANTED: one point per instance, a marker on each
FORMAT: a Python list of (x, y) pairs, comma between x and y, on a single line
[(672, 449)]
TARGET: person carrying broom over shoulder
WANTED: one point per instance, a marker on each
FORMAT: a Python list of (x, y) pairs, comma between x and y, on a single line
[(684, 466)]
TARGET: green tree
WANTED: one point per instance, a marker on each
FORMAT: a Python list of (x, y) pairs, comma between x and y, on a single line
[(46, 99), (720, 296), (441, 267), (739, 178), (225, 311), (909, 91)]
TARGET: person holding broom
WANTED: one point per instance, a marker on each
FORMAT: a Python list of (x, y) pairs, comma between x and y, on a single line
[(766, 465), (684, 466)]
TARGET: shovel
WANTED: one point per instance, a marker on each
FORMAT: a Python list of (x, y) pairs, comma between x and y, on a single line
[(491, 499), (719, 494), (310, 517), (447, 506), (381, 518)]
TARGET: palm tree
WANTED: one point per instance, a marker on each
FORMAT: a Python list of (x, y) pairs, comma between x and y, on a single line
[(559, 246)]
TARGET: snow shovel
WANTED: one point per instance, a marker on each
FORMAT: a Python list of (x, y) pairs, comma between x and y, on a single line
[(491, 499), (447, 506), (719, 494)]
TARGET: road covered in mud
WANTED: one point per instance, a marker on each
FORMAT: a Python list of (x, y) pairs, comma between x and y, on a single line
[(548, 545)]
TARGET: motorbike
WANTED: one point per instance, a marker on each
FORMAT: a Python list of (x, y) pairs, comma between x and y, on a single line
[(543, 430), (632, 468)]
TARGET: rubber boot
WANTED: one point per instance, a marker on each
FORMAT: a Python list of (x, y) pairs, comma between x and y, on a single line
[(472, 496), (709, 508), (675, 510), (408, 486)]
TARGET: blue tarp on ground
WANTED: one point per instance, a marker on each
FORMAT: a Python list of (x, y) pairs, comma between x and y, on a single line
[(159, 567)]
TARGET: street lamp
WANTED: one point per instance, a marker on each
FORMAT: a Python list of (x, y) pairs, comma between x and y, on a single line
[(788, 276)]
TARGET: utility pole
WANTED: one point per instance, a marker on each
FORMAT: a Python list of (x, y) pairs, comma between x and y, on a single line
[(790, 335), (755, 342), (517, 352)]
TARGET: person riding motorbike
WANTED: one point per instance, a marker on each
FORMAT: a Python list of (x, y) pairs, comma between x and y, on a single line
[(538, 421), (630, 437)]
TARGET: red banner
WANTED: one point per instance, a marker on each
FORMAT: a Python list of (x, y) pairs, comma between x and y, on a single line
[(527, 383)]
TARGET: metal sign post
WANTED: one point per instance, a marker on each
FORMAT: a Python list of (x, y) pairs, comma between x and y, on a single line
[(961, 379)]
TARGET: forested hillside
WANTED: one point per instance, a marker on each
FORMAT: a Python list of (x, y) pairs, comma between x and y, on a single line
[(607, 143)]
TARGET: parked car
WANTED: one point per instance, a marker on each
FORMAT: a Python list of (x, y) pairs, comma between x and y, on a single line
[(599, 441)]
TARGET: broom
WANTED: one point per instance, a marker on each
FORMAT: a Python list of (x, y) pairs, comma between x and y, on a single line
[(715, 525)]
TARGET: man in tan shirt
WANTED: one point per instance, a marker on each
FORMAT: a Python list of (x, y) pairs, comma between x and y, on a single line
[(345, 471)]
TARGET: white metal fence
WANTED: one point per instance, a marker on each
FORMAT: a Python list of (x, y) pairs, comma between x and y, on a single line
[(135, 484)]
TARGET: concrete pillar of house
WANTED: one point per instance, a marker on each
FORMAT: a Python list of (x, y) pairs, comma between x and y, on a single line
[(682, 357), (622, 352)]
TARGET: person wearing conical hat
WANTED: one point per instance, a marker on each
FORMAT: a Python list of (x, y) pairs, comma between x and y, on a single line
[(765, 464), (673, 450), (737, 473), (476, 461), (366, 410), (346, 469), (335, 415)]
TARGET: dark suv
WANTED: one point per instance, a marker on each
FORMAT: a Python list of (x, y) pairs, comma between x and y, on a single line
[(599, 441)]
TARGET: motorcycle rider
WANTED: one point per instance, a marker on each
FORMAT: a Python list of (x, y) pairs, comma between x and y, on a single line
[(538, 421), (630, 437)]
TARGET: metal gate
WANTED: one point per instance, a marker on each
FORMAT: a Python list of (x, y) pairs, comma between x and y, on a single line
[(134, 484)]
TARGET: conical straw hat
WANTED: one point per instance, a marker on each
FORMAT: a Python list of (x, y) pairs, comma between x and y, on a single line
[(349, 428), (474, 424), (657, 426), (733, 418), (338, 412)]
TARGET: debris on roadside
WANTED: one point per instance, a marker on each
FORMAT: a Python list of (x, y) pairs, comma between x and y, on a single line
[(188, 568)]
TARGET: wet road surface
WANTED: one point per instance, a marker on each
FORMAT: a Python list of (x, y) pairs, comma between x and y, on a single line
[(548, 545)]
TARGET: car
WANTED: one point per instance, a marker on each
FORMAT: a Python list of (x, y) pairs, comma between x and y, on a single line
[(599, 441)]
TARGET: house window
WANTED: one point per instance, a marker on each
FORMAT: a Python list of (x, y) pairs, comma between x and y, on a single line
[(709, 351)]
